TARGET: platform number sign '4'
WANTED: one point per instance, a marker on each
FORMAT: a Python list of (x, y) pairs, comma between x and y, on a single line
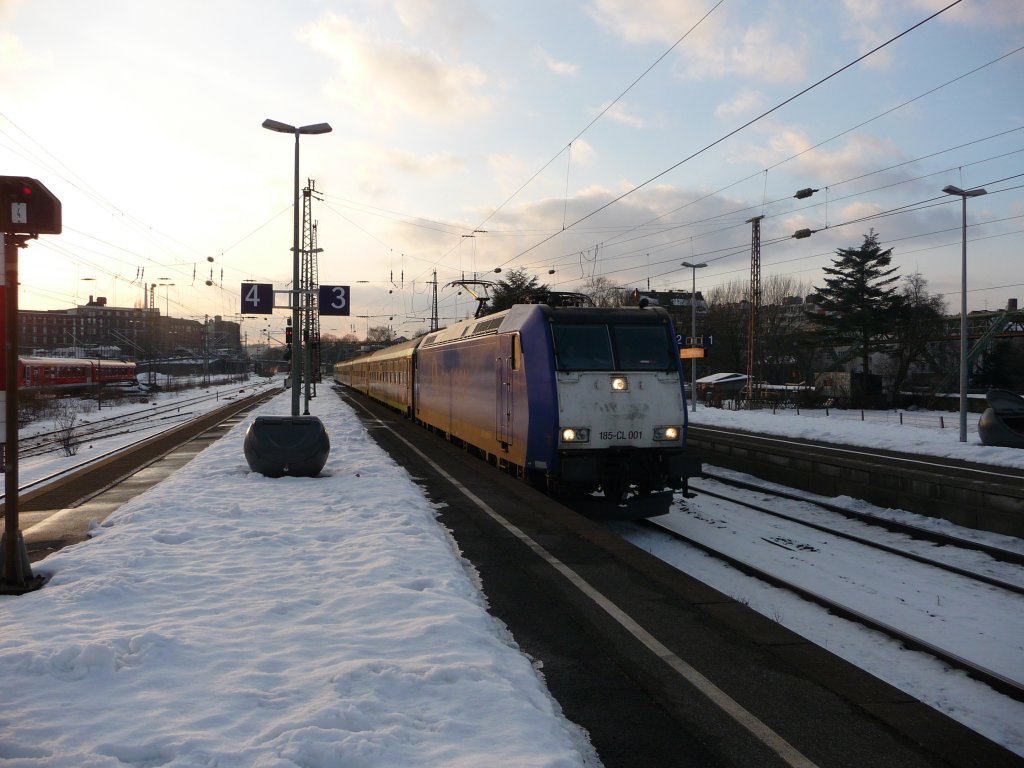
[(333, 299), (257, 298)]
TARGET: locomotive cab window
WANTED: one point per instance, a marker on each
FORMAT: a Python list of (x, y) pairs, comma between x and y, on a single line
[(642, 348), (583, 347)]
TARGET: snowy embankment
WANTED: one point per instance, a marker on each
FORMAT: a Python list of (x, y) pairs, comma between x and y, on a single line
[(920, 431), (231, 619)]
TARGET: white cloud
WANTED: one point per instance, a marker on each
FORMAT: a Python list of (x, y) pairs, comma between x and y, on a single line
[(644, 21), (543, 58), (755, 52), (746, 103), (867, 28), (582, 152), (435, 164), (978, 13), (856, 155), (448, 22), (508, 171), (15, 59), (872, 22), (855, 211), (383, 79), (375, 167), (719, 47), (619, 114)]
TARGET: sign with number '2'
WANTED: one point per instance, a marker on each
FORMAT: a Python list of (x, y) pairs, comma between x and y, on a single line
[(257, 298), (333, 299)]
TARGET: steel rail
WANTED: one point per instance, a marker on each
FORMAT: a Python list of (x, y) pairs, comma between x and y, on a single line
[(30, 444), (226, 411), (993, 679), (948, 541)]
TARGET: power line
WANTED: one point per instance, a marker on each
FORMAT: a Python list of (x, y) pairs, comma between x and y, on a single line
[(742, 127), (601, 114)]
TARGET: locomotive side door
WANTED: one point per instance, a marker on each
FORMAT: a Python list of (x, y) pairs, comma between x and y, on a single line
[(504, 366)]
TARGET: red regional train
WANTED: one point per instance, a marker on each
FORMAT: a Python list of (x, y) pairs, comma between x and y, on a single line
[(69, 373)]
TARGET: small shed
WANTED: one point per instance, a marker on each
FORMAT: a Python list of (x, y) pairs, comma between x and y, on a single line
[(717, 387)]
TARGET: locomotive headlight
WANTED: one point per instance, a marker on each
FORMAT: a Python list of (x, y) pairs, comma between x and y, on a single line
[(575, 435), (620, 384), (667, 433)]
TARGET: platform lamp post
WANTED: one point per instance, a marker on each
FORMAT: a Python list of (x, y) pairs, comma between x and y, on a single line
[(296, 357), (963, 194), (693, 330)]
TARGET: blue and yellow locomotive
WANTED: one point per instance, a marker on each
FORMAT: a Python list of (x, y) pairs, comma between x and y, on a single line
[(578, 399)]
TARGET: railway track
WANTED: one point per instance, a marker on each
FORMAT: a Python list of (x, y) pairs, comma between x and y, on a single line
[(72, 487), (920, 532), (93, 427), (679, 528)]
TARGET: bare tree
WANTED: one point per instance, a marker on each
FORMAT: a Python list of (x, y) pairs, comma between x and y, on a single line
[(380, 334), (65, 429), (603, 292), (727, 324), (919, 321), (784, 358)]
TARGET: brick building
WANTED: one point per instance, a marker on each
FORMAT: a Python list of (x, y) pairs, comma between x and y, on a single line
[(127, 332)]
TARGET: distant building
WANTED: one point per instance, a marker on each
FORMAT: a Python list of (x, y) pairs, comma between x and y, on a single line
[(678, 304), (128, 332)]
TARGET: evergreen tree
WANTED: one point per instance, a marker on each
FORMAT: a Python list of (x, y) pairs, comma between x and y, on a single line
[(859, 301), (513, 289)]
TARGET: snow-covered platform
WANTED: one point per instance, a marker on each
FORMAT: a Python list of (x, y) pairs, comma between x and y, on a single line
[(227, 618)]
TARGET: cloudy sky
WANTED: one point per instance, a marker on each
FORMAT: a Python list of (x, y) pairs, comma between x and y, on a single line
[(575, 139)]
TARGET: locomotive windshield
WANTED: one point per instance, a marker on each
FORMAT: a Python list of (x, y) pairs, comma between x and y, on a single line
[(600, 347)]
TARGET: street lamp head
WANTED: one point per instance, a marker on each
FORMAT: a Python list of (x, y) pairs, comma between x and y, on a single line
[(688, 265), (949, 189), (274, 125)]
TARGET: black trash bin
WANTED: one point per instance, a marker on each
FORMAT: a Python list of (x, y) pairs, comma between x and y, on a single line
[(1002, 423), (297, 446)]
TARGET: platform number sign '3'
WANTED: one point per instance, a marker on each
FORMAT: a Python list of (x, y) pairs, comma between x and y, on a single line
[(257, 298), (333, 299)]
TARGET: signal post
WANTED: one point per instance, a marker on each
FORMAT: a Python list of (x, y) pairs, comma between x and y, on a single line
[(27, 210)]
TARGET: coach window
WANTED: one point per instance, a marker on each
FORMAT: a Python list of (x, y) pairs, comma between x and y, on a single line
[(515, 351)]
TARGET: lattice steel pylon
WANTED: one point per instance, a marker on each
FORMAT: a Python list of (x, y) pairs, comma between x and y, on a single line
[(314, 309), (433, 304), (309, 314), (755, 310)]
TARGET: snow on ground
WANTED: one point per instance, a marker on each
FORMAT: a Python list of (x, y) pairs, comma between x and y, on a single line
[(978, 620), (920, 432), (225, 618), (190, 402)]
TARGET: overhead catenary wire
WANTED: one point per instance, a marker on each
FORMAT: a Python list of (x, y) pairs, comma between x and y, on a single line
[(740, 214), (601, 114), (745, 125), (517, 257), (606, 251)]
